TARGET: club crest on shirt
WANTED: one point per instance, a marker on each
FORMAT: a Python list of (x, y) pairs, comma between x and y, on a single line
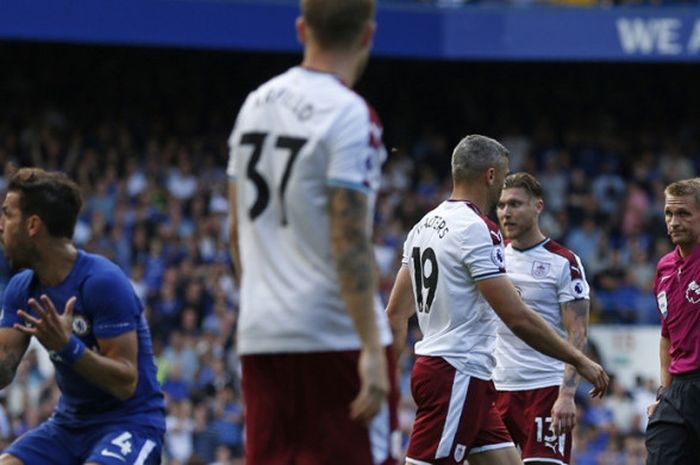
[(539, 269), (662, 302), (81, 326), (460, 449), (692, 293)]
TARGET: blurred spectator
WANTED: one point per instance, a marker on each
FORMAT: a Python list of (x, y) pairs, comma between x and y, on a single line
[(204, 437), (584, 239), (152, 172), (624, 413), (608, 188), (179, 428), (223, 456), (175, 387), (228, 420), (180, 353)]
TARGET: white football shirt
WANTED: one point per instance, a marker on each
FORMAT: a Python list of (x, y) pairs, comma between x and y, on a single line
[(452, 248), (295, 135), (546, 276)]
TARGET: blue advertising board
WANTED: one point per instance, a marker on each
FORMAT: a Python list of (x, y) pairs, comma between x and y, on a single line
[(411, 31)]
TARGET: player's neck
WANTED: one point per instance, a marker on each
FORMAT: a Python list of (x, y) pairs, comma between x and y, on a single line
[(685, 250), (528, 239), (342, 65), (55, 262), (480, 199)]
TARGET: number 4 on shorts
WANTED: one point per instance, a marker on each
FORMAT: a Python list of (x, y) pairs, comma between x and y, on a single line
[(123, 442)]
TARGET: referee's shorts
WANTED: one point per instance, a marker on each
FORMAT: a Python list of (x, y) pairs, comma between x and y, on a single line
[(673, 432)]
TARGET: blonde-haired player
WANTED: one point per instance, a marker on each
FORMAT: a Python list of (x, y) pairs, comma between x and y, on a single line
[(536, 391)]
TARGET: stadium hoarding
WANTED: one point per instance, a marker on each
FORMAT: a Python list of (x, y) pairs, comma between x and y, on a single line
[(410, 31), (628, 351), (620, 34)]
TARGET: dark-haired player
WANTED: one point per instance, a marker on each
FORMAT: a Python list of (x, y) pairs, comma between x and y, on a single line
[(84, 311)]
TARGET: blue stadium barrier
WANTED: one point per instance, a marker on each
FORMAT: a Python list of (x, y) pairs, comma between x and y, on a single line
[(411, 31)]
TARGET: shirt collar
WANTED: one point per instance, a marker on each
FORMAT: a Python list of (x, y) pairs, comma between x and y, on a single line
[(694, 255)]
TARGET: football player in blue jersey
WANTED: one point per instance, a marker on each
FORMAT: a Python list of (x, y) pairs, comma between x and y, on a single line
[(83, 310)]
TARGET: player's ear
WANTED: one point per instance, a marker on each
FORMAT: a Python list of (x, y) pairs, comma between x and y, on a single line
[(368, 35), (33, 225), (300, 26), (490, 175), (539, 204)]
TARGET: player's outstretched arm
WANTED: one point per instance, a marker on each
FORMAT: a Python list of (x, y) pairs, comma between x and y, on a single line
[(531, 328), (574, 315), (233, 231), (13, 345), (114, 369), (401, 307), (357, 277)]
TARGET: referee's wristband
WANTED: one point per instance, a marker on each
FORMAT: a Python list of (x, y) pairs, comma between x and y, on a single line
[(72, 352)]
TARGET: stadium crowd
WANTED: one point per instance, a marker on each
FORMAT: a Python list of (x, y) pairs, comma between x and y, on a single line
[(158, 210), (155, 204)]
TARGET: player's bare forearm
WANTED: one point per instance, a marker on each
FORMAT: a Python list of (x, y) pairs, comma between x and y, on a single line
[(115, 368), (354, 257), (399, 334), (400, 308), (233, 232), (235, 253), (357, 277), (575, 319), (525, 322), (13, 344), (538, 334)]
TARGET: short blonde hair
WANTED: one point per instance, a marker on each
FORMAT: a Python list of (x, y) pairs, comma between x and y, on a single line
[(684, 188), (525, 181)]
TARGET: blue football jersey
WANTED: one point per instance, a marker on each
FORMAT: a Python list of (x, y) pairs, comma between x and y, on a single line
[(106, 307)]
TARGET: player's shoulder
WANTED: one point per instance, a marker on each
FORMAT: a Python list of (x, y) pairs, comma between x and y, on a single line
[(352, 106), (97, 267), (319, 96), (556, 249), (668, 261), (20, 282), (271, 90), (566, 255), (276, 80), (316, 85), (475, 220)]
